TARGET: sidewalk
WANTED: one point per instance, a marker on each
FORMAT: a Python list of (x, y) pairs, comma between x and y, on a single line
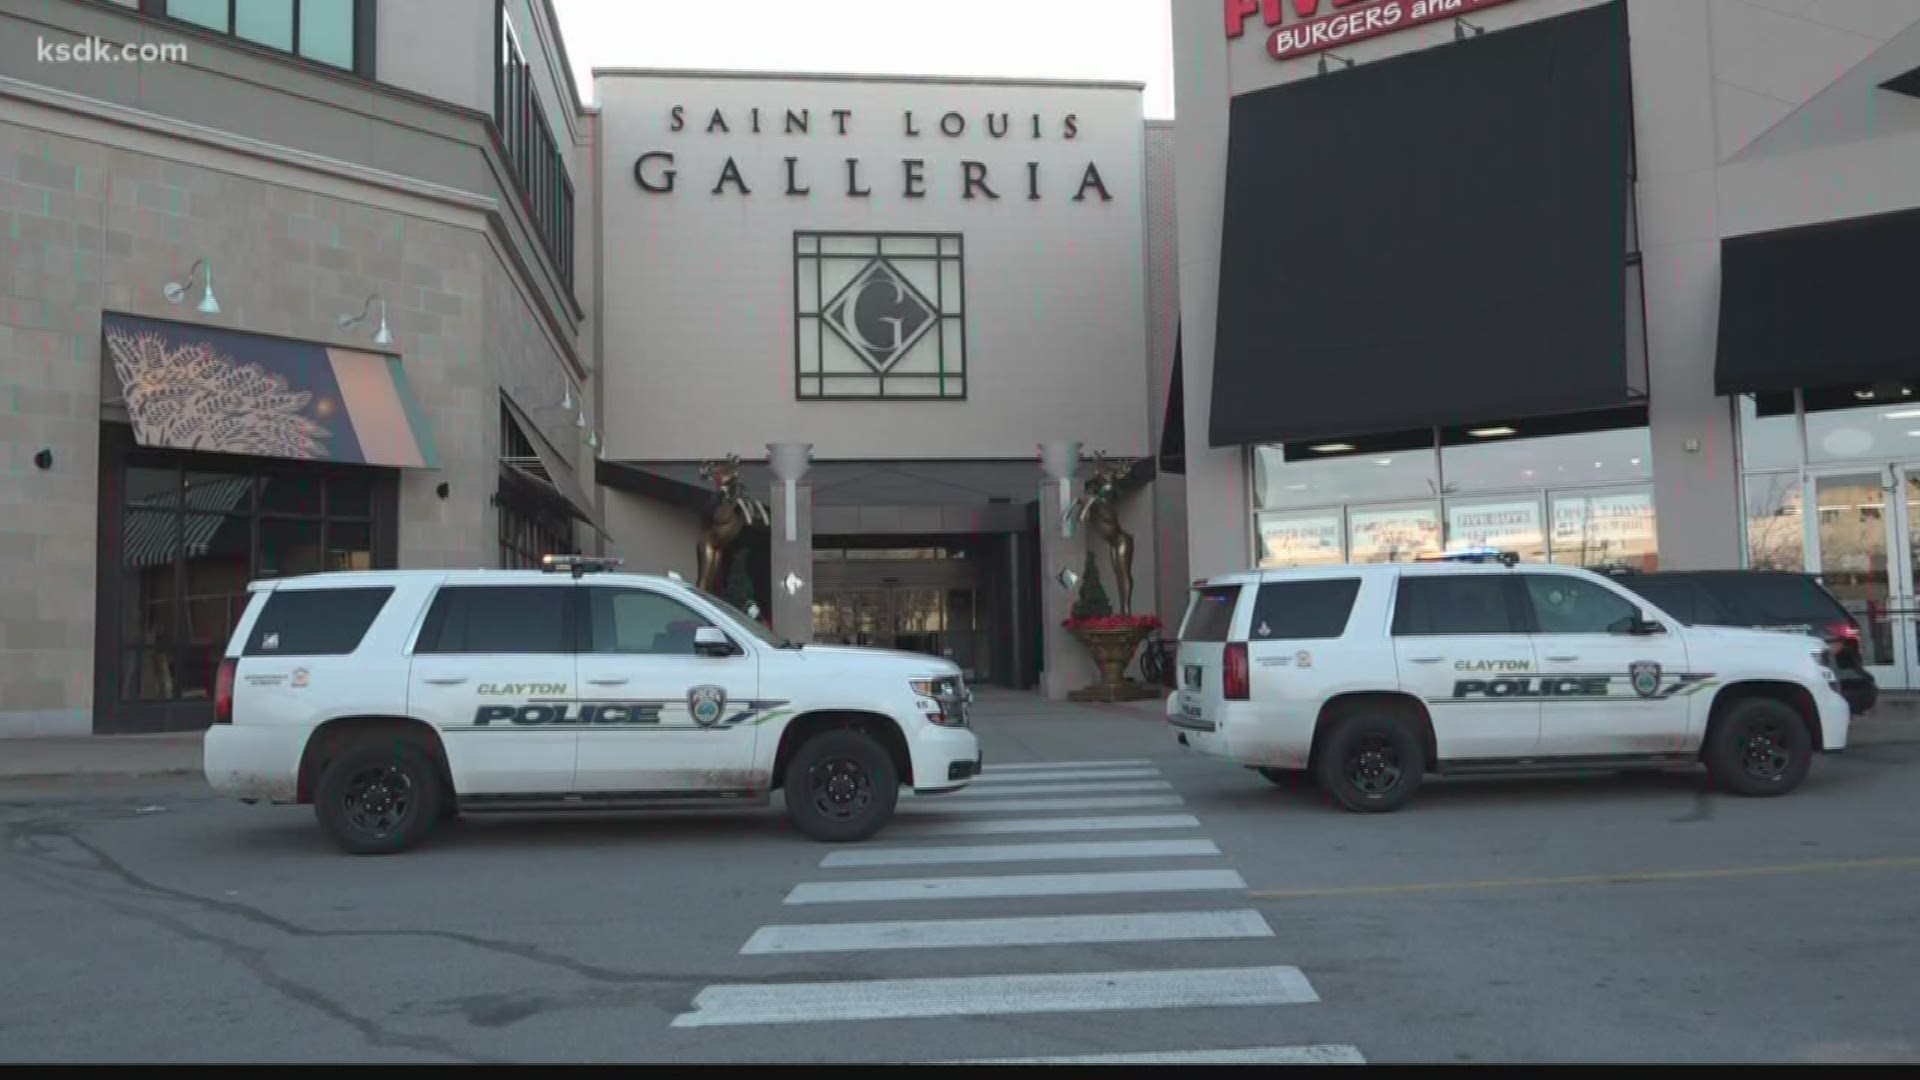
[(173, 754)]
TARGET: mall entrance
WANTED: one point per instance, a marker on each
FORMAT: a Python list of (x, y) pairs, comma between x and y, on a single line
[(947, 596), (1862, 547)]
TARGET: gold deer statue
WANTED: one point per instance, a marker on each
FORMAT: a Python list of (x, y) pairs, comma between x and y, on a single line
[(1097, 511), (731, 511)]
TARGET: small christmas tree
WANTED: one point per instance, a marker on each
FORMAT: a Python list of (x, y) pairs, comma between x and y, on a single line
[(1092, 603), (739, 591)]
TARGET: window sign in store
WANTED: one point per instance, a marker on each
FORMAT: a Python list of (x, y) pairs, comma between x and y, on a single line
[(1299, 539), (1507, 526), (1394, 535), (1595, 530)]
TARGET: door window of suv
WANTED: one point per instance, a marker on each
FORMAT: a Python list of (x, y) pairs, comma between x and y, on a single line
[(498, 619), (1453, 604), (1571, 605), (640, 622)]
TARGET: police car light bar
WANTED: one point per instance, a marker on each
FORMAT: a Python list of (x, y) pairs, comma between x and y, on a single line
[(1475, 555), (578, 565)]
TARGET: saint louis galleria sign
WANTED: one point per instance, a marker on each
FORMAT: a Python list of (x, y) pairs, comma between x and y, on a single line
[(655, 172)]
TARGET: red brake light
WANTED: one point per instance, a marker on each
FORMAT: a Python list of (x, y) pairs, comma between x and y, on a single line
[(223, 692), (1234, 680)]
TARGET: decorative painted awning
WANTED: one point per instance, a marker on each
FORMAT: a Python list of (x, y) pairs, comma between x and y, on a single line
[(192, 387)]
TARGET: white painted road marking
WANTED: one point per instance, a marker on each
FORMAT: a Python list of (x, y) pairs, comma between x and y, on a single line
[(1011, 826), (995, 995), (1059, 788), (1329, 1054), (1125, 763), (993, 853), (971, 888), (976, 933), (983, 806), (1066, 774)]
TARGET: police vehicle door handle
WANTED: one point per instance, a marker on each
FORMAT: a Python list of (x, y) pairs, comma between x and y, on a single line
[(450, 680), (608, 682), (1426, 659), (1562, 659)]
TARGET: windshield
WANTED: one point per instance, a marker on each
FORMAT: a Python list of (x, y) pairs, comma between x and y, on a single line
[(747, 622)]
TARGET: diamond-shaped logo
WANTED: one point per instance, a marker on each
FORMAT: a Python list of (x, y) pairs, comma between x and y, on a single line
[(880, 315)]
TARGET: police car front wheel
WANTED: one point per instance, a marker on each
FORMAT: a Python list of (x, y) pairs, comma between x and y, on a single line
[(841, 786), (1761, 746)]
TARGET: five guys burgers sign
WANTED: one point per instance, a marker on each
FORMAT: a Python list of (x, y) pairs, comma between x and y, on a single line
[(1307, 30)]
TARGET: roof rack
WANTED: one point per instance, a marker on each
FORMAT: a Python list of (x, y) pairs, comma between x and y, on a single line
[(579, 565)]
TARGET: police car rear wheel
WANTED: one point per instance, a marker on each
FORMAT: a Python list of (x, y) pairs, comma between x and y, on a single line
[(1371, 761), (378, 799), (841, 787), (1760, 747)]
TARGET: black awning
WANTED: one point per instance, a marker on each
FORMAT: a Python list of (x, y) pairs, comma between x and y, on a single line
[(1173, 427), (1432, 239), (1820, 305)]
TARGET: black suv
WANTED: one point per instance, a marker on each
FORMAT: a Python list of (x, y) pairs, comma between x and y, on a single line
[(1768, 599)]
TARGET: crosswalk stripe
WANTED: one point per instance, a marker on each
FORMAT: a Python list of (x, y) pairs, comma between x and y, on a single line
[(1016, 826), (1002, 885), (982, 806), (996, 853), (1065, 774), (995, 995), (1057, 788), (1325, 1054), (1117, 763), (976, 933)]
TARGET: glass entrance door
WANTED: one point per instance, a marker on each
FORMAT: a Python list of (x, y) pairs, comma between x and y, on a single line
[(1858, 542)]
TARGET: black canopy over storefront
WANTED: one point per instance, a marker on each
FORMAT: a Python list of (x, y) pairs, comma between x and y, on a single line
[(1824, 304), (1433, 239)]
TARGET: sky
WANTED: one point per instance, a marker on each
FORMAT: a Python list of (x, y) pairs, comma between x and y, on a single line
[(1046, 39)]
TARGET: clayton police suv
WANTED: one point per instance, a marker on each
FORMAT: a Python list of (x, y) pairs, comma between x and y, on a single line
[(1371, 676), (390, 700)]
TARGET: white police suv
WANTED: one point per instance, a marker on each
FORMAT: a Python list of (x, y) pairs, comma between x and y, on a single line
[(1370, 677), (390, 700)]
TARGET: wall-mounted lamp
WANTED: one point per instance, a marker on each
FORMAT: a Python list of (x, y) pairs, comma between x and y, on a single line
[(1461, 26), (593, 439), (43, 460), (1323, 61), (176, 291), (382, 336), (580, 419), (443, 490)]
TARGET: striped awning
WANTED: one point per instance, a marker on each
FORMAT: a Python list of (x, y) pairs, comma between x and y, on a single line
[(154, 539), (194, 387)]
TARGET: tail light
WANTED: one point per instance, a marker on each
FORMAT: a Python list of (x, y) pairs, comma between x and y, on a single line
[(1234, 680), (223, 692)]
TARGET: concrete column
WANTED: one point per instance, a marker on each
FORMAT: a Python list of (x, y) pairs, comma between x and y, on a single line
[(792, 540), (1067, 665)]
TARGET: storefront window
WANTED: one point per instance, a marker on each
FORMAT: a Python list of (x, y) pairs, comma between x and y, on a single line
[(1301, 538), (1769, 433), (1340, 476), (191, 539), (1862, 424), (1776, 531), (1497, 463)]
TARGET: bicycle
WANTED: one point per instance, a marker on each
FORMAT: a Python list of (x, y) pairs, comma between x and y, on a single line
[(1156, 661)]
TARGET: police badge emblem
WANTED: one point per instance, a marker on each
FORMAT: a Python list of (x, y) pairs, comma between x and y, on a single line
[(706, 703), (1645, 676)]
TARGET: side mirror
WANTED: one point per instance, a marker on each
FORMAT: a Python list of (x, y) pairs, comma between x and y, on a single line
[(712, 641), (1644, 626)]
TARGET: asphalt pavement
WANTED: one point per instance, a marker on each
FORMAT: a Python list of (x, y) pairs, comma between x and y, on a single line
[(1100, 893)]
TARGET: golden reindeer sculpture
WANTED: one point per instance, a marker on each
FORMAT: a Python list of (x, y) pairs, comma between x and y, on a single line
[(732, 510), (1097, 511)]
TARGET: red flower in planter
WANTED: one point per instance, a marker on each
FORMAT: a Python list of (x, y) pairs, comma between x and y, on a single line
[(1114, 622)]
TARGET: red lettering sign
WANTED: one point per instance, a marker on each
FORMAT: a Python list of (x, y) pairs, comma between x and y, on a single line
[(1310, 32)]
